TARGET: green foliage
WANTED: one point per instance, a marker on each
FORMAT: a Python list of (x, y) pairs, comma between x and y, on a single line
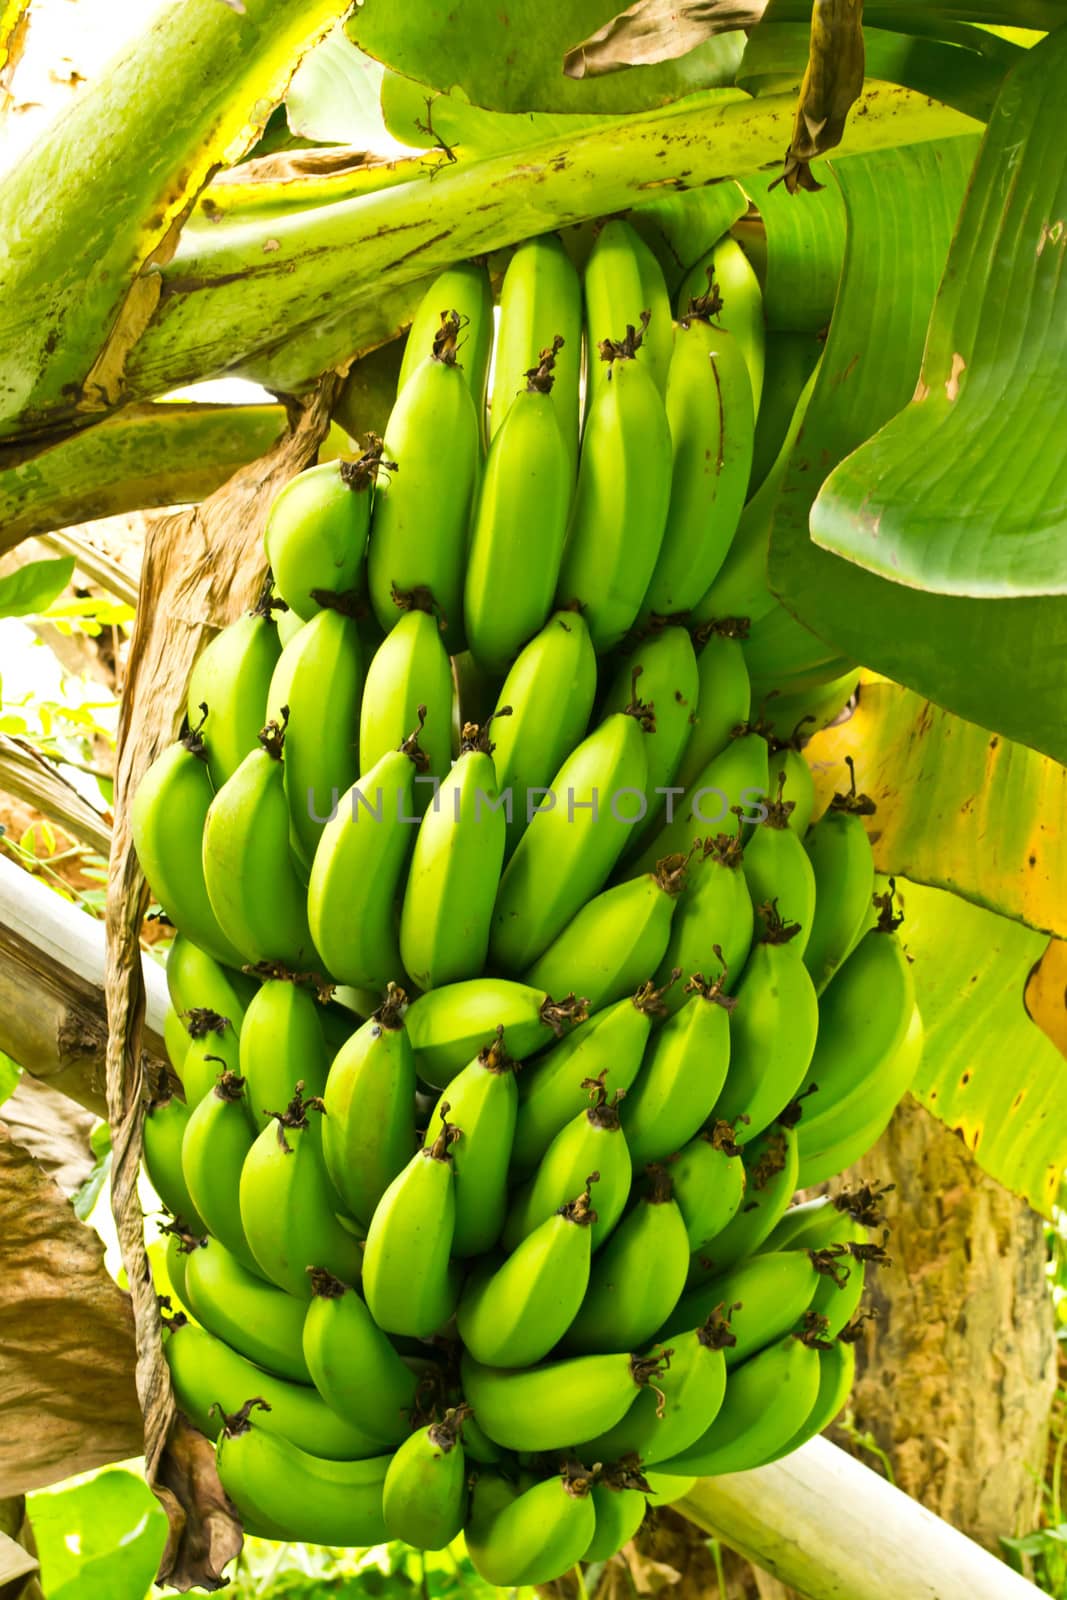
[(98, 1538), (31, 589), (388, 1572), (10, 1073), (89, 1191)]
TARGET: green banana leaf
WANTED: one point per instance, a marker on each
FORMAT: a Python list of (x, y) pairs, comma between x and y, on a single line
[(997, 664), (805, 245), (987, 1070), (965, 491), (335, 96)]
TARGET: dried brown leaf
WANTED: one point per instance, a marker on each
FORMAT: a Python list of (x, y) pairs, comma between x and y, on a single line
[(833, 82), (656, 30), (53, 1130)]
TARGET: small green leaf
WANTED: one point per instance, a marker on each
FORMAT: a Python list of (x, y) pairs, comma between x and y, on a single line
[(10, 1073), (100, 1539), (29, 590)]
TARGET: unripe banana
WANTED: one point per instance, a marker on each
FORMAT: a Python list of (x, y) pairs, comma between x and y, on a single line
[(316, 691), (217, 1140), (736, 777), (421, 510), (425, 1496), (685, 1067), (478, 1445), (620, 505), (591, 1142), (666, 1489), (714, 913), (773, 1032), (208, 1375), (455, 870), (569, 849), (410, 669), (520, 522), (799, 784), (843, 864), (841, 1136), (484, 1100), (539, 1536), (637, 1278), (545, 1407), (664, 668), (829, 1219), (763, 1298), (288, 1494), (690, 1392), (165, 1121), (840, 1290), (175, 1040), (723, 699), (359, 868), (614, 293), (767, 1399), (167, 818), (251, 881), (261, 1322), (619, 1511), (515, 1315), (465, 289), (655, 298), (449, 1026), (837, 1369), (726, 274), (410, 1283), (281, 1044), (709, 1183), (615, 940), (317, 527), (288, 625), (352, 1364), (171, 1283), (770, 1162), (197, 982), (230, 679), (550, 690), (777, 867), (609, 1047), (288, 1203), (712, 422), (213, 1049), (540, 297), (368, 1132)]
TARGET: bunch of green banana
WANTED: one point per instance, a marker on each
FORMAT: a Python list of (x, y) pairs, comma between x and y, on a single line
[(317, 528), (352, 1364), (410, 1282), (281, 1044), (535, 1535), (409, 682), (771, 1163), (592, 1141), (734, 782), (685, 1402), (620, 1507), (723, 697), (686, 1064), (197, 982), (165, 1121), (709, 1182), (544, 1407), (217, 1140), (714, 915), (228, 689), (726, 276), (464, 289), (258, 1320), (776, 865), (448, 1026), (368, 1131), (843, 868), (425, 1493), (540, 300)]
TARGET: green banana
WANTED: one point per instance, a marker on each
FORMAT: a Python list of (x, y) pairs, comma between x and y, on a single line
[(425, 1497), (620, 1511), (763, 1298), (712, 422), (251, 881), (837, 1369), (736, 777), (637, 1278), (448, 1026), (620, 504), (229, 681), (287, 1203), (540, 298), (197, 982), (217, 1140), (167, 817), (709, 1182), (281, 1043), (616, 939), (655, 297), (538, 1536), (686, 1064), (421, 510), (455, 870), (292, 1495), (842, 1137), (546, 1407), (352, 1364), (550, 691), (828, 1220), (213, 1049), (315, 691), (796, 717), (590, 1142), (726, 276), (288, 625), (788, 762), (484, 1100), (410, 669), (773, 1032), (175, 1040), (714, 913), (777, 867), (840, 1290), (723, 697), (570, 847), (465, 289), (665, 1489), (262, 1323), (770, 1162), (684, 1403), (781, 654), (368, 1132), (667, 668), (165, 1121), (181, 1247), (520, 522), (410, 1284), (359, 869), (317, 528), (513, 1315), (207, 1375), (614, 293), (843, 865), (767, 1399), (610, 1045)]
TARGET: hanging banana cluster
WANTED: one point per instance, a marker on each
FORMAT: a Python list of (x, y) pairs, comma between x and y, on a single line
[(490, 783)]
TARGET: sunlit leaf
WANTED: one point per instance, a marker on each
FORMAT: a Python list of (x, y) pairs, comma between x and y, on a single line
[(335, 96), (29, 590), (804, 245), (98, 1539)]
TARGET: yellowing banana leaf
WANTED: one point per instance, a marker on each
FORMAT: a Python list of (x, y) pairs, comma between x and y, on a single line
[(965, 491), (958, 807), (987, 1069)]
